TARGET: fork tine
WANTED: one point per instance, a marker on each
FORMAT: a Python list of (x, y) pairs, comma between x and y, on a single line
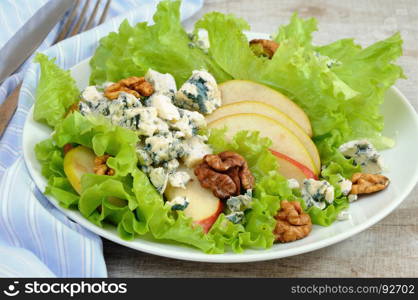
[(93, 15), (78, 26), (104, 14), (66, 28)]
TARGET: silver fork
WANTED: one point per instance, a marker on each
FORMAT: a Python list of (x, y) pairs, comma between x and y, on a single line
[(75, 24)]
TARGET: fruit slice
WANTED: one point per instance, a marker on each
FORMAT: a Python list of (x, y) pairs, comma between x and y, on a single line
[(204, 208), (272, 112), (77, 162), (284, 141), (290, 168), (242, 90)]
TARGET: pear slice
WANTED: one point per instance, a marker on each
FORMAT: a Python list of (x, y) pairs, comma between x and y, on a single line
[(243, 90), (284, 141), (77, 162), (272, 112)]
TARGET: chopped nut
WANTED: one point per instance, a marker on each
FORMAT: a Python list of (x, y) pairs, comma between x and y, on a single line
[(368, 183), (222, 185), (72, 108), (262, 47), (224, 160), (110, 172), (145, 88), (136, 86), (101, 167), (226, 174), (100, 160), (292, 223)]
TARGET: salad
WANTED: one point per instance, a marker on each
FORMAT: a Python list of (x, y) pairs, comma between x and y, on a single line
[(215, 141)]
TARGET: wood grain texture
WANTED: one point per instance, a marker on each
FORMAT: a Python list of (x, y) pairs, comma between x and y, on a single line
[(389, 248)]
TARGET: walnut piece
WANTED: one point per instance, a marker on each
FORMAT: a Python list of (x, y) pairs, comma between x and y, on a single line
[(221, 184), (100, 166), (368, 183), (136, 86), (292, 223), (226, 174), (262, 47)]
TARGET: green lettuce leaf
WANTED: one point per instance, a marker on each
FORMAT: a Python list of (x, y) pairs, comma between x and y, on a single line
[(298, 29), (97, 133), (55, 93), (164, 46)]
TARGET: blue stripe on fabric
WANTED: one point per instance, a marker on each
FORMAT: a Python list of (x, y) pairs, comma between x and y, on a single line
[(35, 237)]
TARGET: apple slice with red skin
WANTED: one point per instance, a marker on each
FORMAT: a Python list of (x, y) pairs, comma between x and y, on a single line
[(209, 221), (290, 168), (204, 208)]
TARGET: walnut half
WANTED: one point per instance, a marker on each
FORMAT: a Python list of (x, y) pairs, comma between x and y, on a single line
[(368, 183), (262, 47), (136, 86), (100, 166), (226, 174), (292, 223)]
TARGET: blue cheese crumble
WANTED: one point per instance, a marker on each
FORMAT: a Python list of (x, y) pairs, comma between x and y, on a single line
[(159, 178), (363, 154), (236, 205), (162, 83), (178, 203), (163, 147), (195, 149), (352, 198), (345, 186), (169, 132), (317, 193), (179, 179), (235, 217), (165, 108), (199, 93), (343, 215)]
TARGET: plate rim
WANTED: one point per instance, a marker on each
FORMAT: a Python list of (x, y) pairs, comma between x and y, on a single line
[(227, 257)]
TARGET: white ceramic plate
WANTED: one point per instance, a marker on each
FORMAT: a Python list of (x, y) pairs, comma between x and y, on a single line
[(402, 168)]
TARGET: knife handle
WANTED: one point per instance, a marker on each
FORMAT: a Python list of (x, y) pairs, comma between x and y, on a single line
[(7, 109)]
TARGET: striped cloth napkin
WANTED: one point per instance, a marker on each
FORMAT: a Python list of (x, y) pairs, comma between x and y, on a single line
[(36, 239)]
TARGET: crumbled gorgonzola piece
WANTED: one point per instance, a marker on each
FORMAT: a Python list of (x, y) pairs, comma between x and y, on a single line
[(235, 217), (91, 94), (162, 83), (159, 178), (293, 183), (179, 179), (240, 202), (317, 193), (171, 165), (200, 93), (345, 186), (148, 122), (178, 203), (343, 215), (189, 123), (364, 154), (195, 149), (352, 198), (165, 109), (144, 157), (163, 147)]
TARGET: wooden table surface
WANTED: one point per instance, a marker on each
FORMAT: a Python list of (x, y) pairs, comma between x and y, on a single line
[(387, 249)]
